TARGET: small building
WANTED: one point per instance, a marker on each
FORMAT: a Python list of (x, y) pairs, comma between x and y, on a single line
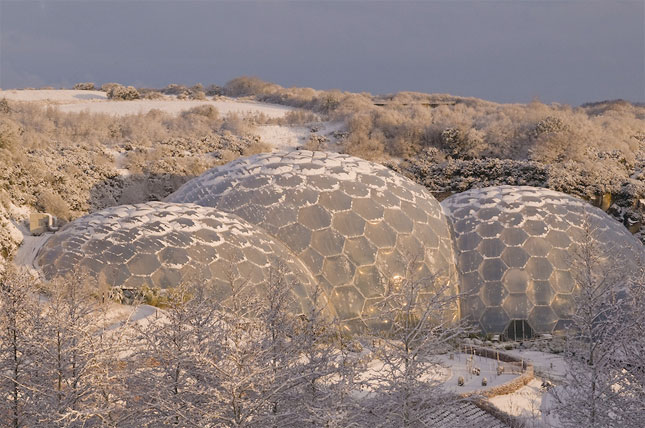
[(40, 223)]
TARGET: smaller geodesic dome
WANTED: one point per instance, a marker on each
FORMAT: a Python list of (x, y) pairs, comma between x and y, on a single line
[(162, 244), (514, 247), (353, 223)]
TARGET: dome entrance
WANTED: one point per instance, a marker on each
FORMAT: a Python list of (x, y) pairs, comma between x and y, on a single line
[(518, 330)]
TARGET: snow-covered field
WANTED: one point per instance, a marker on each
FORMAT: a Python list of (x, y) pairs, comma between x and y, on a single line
[(73, 101), (52, 96)]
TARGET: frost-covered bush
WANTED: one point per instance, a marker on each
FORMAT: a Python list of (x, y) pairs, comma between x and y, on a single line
[(214, 91), (245, 85), (84, 86), (52, 203), (4, 106), (175, 89), (10, 132), (107, 86), (120, 92)]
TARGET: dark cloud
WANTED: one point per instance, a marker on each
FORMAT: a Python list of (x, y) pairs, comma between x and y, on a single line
[(567, 51)]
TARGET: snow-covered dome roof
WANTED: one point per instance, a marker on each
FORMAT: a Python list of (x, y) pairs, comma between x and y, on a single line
[(515, 247), (161, 244), (353, 223)]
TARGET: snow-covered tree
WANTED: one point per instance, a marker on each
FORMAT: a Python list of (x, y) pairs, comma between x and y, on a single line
[(167, 384), (16, 347), (75, 382), (330, 367), (417, 323), (604, 380)]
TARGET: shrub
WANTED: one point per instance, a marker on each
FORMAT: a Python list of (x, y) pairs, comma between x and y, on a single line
[(245, 86), (214, 91), (257, 147), (207, 111), (4, 106), (121, 92), (10, 133), (152, 95), (107, 86), (236, 124), (316, 143), (52, 203), (175, 89), (196, 95), (299, 117), (85, 86)]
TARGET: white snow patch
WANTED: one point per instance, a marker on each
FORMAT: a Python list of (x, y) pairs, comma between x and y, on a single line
[(174, 107), (283, 137), (52, 95), (525, 403)]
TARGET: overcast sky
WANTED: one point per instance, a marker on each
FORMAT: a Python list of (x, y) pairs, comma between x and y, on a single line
[(509, 51)]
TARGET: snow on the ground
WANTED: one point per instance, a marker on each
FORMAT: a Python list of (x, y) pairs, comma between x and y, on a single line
[(75, 101), (287, 138), (26, 254), (174, 107), (131, 314), (459, 367), (52, 95), (525, 403), (283, 137)]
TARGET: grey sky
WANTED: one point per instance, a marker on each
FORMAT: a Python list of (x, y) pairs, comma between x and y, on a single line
[(509, 51)]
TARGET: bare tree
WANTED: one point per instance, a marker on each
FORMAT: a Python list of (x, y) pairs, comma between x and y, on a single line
[(259, 355), (604, 380), (16, 347), (76, 380), (417, 323), (168, 386), (330, 368)]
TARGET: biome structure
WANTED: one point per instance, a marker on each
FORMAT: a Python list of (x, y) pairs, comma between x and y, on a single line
[(517, 252), (355, 229)]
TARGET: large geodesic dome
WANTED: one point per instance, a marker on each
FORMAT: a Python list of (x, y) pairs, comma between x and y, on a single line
[(162, 244), (354, 229), (514, 247), (353, 223)]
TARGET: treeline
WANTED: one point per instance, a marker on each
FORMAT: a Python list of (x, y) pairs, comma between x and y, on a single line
[(247, 361)]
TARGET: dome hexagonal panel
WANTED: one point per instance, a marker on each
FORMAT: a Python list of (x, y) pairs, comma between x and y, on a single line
[(168, 243), (527, 237), (351, 212)]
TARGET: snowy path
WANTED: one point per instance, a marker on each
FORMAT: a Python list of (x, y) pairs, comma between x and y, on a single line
[(141, 312), (26, 254)]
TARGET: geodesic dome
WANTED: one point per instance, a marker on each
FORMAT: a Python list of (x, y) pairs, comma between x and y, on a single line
[(162, 244), (353, 223), (514, 247)]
